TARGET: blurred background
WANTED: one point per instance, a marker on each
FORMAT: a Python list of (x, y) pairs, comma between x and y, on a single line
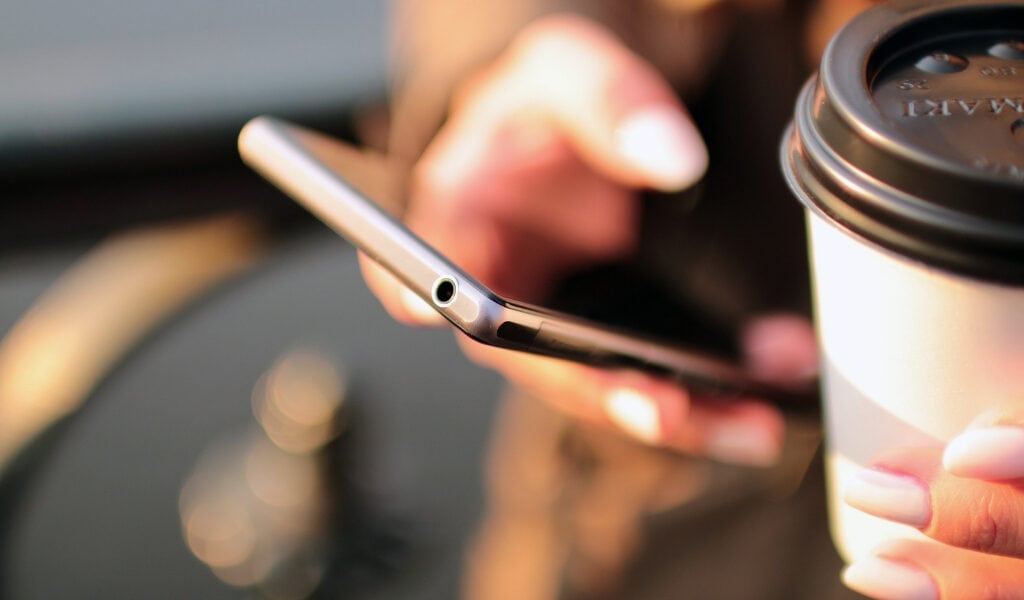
[(198, 397)]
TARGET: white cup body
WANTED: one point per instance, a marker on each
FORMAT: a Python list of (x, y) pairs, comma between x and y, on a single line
[(910, 356)]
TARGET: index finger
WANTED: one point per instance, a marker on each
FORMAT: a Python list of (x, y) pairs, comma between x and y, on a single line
[(576, 77), (911, 486)]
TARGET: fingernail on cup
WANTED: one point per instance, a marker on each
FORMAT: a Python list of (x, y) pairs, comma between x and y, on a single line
[(905, 153)]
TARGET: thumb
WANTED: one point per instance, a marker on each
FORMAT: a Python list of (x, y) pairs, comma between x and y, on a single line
[(615, 110)]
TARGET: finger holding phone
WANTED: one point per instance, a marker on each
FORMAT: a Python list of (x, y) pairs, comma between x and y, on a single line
[(536, 173)]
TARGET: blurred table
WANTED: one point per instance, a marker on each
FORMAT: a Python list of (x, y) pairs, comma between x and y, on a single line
[(123, 113), (97, 515)]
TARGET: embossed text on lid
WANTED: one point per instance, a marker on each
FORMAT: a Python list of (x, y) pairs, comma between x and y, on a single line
[(912, 134), (959, 101)]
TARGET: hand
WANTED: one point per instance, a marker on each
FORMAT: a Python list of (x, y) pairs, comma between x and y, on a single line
[(969, 496), (536, 171), (535, 174)]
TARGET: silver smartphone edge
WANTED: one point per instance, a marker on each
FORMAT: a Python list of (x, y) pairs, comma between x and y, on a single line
[(282, 154), (287, 156)]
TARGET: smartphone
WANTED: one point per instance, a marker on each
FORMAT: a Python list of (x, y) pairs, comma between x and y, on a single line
[(322, 174)]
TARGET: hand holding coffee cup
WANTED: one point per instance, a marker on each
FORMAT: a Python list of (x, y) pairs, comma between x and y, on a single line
[(967, 495), (908, 151)]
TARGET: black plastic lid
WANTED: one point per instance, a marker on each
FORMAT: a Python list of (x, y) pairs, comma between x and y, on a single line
[(912, 134)]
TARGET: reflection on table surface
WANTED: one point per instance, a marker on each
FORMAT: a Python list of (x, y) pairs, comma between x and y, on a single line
[(389, 488)]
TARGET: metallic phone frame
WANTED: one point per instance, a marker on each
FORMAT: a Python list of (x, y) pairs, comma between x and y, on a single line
[(304, 164)]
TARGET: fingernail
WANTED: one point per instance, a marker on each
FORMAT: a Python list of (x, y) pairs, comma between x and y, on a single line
[(635, 413), (879, 577), (987, 453), (664, 145), (892, 496), (742, 444)]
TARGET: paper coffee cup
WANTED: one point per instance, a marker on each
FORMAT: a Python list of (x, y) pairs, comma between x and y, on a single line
[(907, 150)]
